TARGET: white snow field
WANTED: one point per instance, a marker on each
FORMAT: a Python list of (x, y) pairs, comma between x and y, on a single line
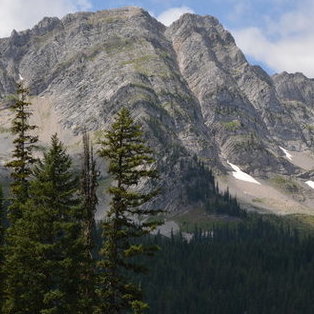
[(310, 183), (240, 175), (288, 155)]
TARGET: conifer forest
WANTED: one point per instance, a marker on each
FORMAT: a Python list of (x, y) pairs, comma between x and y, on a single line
[(55, 258)]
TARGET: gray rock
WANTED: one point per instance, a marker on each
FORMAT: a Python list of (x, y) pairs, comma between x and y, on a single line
[(189, 85)]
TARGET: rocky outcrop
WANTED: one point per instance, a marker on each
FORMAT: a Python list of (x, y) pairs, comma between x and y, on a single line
[(189, 85), (296, 93), (238, 101)]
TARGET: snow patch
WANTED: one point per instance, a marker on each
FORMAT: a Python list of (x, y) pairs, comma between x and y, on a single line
[(187, 236), (240, 175), (310, 183), (288, 155)]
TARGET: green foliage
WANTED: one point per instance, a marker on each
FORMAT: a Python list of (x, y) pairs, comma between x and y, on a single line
[(130, 162), (257, 200), (288, 185), (139, 60), (231, 125), (22, 161), (226, 110), (4, 130), (1, 220), (89, 185), (155, 62), (200, 218), (2, 229), (310, 128), (201, 189), (45, 257), (260, 265)]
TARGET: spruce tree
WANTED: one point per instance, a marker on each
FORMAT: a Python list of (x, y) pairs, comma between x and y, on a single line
[(130, 163), (43, 270), (2, 228), (21, 165), (89, 185), (24, 143), (1, 218)]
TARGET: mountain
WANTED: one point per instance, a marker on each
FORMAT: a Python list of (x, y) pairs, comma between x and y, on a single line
[(189, 85)]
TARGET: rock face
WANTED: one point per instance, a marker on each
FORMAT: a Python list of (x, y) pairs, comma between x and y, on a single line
[(189, 85), (296, 93)]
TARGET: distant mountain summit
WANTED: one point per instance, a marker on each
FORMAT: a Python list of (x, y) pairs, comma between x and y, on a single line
[(189, 85)]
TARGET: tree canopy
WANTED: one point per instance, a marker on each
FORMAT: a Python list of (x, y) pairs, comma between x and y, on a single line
[(130, 163)]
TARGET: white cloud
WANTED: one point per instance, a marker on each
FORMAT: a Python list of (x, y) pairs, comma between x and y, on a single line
[(169, 16), (286, 44), (21, 14)]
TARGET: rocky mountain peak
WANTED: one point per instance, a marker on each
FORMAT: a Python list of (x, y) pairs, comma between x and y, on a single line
[(205, 25), (189, 85), (195, 20), (47, 24), (295, 87)]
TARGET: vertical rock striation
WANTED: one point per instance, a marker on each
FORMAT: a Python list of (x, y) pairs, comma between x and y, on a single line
[(189, 84)]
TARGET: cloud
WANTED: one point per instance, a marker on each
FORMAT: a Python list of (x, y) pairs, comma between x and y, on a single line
[(21, 14), (239, 10), (169, 16), (286, 44), (287, 54)]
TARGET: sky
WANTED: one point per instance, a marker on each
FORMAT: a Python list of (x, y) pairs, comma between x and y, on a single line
[(276, 34)]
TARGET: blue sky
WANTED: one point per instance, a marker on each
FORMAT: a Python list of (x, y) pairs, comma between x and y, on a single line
[(277, 34), (232, 13)]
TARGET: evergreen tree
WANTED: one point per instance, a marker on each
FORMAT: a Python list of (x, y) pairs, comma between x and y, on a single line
[(250, 265), (88, 190), (130, 163), (2, 228), (1, 245), (1, 218), (44, 265), (21, 170), (23, 159)]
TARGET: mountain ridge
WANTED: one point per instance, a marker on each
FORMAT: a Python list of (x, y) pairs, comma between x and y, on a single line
[(189, 85)]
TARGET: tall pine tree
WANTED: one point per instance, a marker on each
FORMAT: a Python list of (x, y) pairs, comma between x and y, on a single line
[(1, 220), (43, 270), (2, 228), (21, 165), (24, 143), (130, 163), (88, 190)]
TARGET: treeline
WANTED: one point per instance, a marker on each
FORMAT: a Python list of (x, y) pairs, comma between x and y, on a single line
[(49, 261), (201, 188), (261, 265)]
